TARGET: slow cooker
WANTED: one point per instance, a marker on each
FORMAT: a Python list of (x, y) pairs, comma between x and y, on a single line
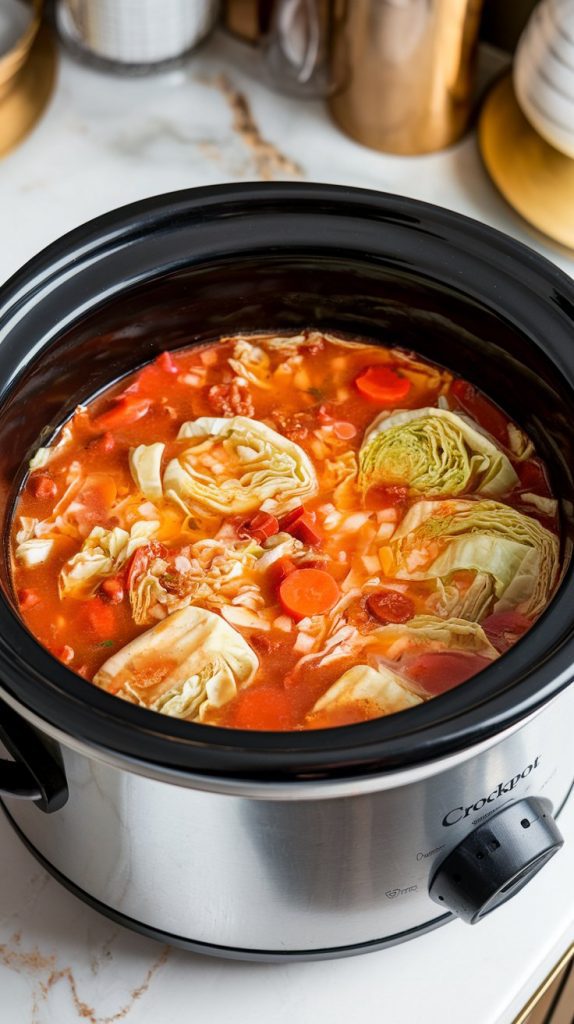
[(304, 844)]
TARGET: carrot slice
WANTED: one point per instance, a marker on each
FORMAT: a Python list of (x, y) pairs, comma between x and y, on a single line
[(383, 385), (264, 707), (308, 592)]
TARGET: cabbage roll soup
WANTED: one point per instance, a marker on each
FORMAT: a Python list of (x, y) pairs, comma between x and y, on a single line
[(284, 532)]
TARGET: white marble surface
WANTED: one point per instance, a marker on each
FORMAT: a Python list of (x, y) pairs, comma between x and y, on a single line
[(105, 141)]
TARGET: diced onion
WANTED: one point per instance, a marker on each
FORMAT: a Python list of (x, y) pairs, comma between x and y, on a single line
[(304, 643), (40, 459), (35, 551), (244, 618), (284, 623)]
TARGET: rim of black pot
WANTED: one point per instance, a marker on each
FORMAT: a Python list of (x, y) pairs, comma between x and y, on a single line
[(518, 684)]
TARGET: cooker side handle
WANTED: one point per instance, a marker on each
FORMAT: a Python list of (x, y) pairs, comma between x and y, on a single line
[(37, 772)]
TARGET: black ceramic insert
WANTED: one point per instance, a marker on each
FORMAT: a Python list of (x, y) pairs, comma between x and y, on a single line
[(191, 266)]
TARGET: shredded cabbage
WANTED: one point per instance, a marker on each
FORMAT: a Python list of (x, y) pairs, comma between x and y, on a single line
[(218, 573), (145, 467)]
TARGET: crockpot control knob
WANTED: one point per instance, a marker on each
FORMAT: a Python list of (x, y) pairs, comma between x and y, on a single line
[(497, 859)]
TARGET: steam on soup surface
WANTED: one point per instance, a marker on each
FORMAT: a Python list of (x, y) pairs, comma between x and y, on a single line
[(284, 532)]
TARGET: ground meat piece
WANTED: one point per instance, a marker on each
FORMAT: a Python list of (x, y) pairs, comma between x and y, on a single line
[(357, 614), (177, 583), (266, 643), (295, 427), (231, 399)]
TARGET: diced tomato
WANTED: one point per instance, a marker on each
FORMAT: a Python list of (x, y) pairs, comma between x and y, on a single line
[(308, 592), (99, 618), (43, 486), (390, 606), (165, 362), (138, 564), (261, 526), (278, 570), (64, 654), (382, 385), (291, 517), (503, 629), (105, 443), (112, 590), (263, 708), (141, 558), (301, 524), (435, 673), (481, 409), (126, 410), (306, 531), (28, 599), (344, 430)]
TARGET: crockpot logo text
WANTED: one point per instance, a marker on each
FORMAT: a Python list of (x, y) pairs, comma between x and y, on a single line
[(458, 813)]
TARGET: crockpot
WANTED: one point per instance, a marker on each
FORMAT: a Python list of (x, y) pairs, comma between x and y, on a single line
[(303, 844)]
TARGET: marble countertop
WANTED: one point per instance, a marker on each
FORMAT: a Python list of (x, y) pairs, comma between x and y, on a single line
[(105, 141)]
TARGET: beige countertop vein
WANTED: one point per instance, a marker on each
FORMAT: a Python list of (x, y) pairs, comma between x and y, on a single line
[(43, 972)]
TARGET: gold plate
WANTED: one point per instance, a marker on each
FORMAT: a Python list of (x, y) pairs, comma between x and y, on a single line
[(23, 104), (536, 179)]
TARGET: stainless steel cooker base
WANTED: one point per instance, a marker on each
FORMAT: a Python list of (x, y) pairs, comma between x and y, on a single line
[(223, 952)]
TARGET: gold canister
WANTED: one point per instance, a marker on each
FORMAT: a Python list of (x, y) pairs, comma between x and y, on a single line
[(404, 71), (27, 76)]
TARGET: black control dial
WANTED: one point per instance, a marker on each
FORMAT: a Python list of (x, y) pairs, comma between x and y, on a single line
[(496, 860)]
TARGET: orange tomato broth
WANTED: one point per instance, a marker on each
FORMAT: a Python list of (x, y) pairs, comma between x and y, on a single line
[(318, 398)]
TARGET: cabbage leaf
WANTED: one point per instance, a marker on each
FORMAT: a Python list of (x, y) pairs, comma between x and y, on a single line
[(102, 554), (190, 662), (145, 467), (434, 452), (472, 602), (439, 538), (429, 633), (236, 464), (382, 688), (34, 551)]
